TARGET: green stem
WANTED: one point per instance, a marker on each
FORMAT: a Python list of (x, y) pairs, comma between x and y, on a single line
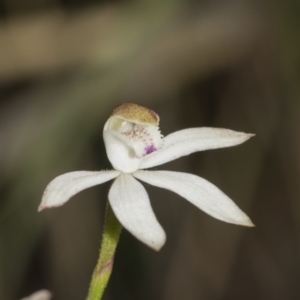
[(112, 230)]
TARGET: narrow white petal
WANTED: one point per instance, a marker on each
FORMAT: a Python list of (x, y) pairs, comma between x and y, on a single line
[(187, 141), (199, 192), (131, 205), (63, 187)]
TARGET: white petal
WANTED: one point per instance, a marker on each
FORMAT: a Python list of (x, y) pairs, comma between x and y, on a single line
[(199, 192), (119, 152), (63, 187), (39, 295), (131, 205), (187, 141)]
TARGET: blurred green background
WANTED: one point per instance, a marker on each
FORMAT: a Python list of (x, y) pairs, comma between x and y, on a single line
[(64, 65)]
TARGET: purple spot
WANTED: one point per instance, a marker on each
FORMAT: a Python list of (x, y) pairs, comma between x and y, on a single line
[(150, 149)]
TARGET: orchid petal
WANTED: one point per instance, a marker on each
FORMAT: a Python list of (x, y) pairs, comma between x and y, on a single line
[(63, 187), (39, 295), (119, 152), (199, 192), (131, 205), (187, 141)]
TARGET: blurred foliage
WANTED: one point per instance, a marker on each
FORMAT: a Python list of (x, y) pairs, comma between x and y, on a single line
[(233, 64)]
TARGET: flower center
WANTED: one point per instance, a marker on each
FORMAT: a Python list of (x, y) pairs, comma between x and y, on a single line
[(131, 133), (143, 138)]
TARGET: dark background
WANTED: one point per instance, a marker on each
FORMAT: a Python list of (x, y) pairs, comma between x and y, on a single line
[(64, 65)]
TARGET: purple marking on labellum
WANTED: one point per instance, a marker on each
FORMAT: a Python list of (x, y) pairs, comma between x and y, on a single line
[(150, 149)]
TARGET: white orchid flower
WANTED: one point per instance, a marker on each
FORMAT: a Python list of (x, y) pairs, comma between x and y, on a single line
[(133, 143)]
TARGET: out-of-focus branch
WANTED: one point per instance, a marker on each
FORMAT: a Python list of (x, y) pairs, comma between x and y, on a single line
[(39, 44), (32, 45), (193, 49)]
